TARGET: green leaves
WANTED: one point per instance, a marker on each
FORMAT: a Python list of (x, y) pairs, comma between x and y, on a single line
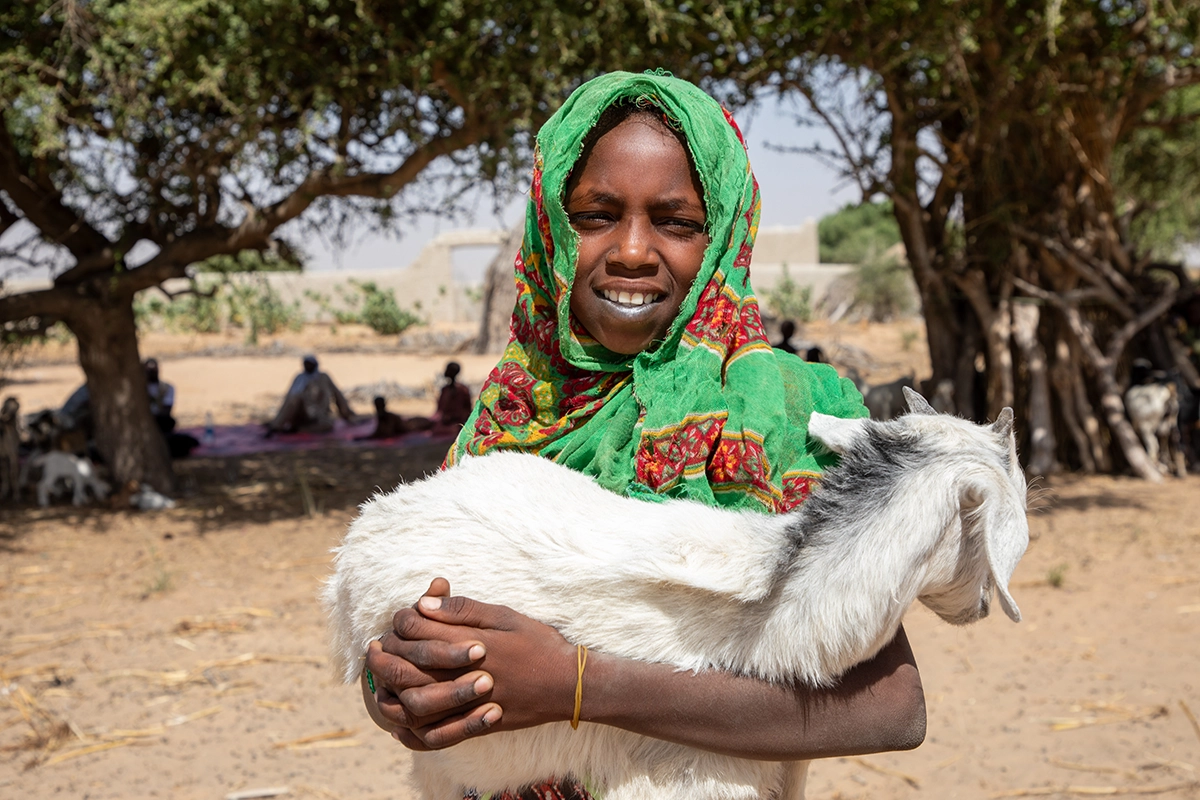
[(155, 119)]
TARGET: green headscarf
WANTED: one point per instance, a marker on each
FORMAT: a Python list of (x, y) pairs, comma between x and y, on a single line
[(712, 413)]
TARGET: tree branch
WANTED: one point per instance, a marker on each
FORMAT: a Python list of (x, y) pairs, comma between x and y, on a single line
[(42, 205), (53, 302), (256, 229), (1085, 271)]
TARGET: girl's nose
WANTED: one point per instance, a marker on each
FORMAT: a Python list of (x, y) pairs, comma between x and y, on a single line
[(634, 248)]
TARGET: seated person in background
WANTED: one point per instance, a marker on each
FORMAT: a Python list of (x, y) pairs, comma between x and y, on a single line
[(454, 402), (453, 408), (162, 397), (787, 329), (76, 412), (387, 424), (306, 409), (162, 400)]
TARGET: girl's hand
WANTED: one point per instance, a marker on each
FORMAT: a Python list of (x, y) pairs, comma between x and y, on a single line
[(453, 668)]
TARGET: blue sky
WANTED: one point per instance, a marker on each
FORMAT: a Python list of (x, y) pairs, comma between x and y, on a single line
[(794, 188)]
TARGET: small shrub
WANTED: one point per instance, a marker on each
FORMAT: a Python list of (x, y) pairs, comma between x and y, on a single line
[(259, 308), (882, 289), (1056, 576), (380, 311), (789, 300), (252, 305), (852, 233)]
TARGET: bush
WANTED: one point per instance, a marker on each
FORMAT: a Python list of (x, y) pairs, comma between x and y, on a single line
[(882, 289), (381, 313), (259, 308), (371, 306), (857, 233), (789, 300), (252, 305)]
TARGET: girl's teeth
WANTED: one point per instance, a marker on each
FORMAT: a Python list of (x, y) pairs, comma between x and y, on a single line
[(630, 299)]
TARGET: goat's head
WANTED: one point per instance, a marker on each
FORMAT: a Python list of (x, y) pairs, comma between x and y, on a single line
[(990, 532), (969, 476)]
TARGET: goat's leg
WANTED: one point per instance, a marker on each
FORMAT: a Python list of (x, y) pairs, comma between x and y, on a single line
[(1150, 442), (795, 778), (1175, 452)]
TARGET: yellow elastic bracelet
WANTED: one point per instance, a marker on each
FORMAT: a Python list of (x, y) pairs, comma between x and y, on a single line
[(581, 660)]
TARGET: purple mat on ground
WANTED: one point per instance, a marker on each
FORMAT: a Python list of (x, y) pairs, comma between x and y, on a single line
[(239, 440)]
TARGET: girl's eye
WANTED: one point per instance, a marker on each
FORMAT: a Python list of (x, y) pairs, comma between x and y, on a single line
[(588, 218), (683, 225)]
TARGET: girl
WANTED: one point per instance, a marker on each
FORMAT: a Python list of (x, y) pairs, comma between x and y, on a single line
[(638, 356)]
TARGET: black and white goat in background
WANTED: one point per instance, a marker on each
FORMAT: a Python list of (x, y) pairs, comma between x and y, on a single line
[(1164, 411), (926, 506)]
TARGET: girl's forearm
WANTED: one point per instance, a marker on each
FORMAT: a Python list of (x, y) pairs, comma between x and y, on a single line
[(878, 706)]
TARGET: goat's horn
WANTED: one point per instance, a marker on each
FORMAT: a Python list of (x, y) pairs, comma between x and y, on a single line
[(1004, 423), (916, 403)]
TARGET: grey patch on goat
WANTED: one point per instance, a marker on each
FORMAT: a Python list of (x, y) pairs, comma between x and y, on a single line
[(878, 460)]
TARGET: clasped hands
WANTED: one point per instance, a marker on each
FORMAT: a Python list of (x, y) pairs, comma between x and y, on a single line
[(453, 668)]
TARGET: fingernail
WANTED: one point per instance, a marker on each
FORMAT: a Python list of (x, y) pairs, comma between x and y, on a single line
[(483, 684), (395, 736), (476, 652), (492, 716), (430, 603)]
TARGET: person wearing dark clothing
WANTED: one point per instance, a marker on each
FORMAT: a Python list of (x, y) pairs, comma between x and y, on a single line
[(387, 424), (307, 406), (454, 402), (162, 397), (787, 329)]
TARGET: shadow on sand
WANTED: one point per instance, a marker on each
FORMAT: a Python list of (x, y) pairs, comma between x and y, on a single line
[(234, 491)]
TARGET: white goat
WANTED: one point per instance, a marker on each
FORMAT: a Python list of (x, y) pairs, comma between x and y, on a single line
[(76, 470), (1154, 412), (927, 507)]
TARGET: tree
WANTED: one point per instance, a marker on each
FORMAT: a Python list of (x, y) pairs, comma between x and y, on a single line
[(857, 233), (1157, 177), (141, 137), (995, 128)]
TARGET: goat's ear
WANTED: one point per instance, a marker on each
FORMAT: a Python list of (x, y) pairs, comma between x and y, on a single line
[(835, 433), (1005, 537), (917, 404), (1004, 423)]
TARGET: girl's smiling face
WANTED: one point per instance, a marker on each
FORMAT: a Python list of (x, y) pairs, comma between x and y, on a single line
[(638, 208)]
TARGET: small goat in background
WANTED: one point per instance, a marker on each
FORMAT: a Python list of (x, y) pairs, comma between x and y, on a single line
[(927, 506), (78, 471), (1153, 410)]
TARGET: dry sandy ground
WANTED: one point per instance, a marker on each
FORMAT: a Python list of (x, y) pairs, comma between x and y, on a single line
[(180, 654)]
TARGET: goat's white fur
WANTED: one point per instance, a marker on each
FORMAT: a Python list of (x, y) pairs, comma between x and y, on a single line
[(801, 596), (78, 471), (1154, 412)]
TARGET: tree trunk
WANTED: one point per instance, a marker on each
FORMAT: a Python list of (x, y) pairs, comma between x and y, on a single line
[(128, 440), (1025, 317)]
